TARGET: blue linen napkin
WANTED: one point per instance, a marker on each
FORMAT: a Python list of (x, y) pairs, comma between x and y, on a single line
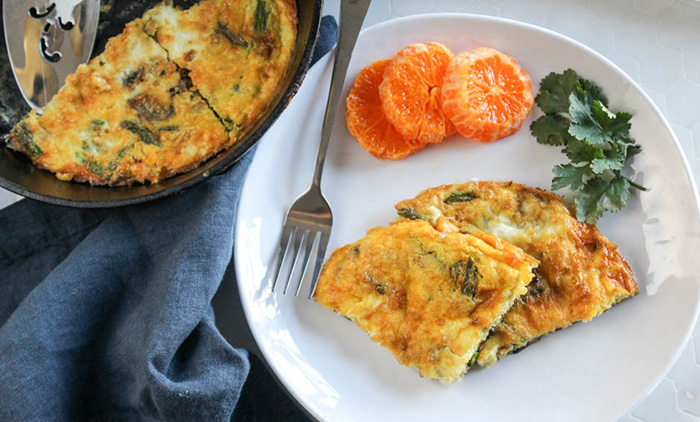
[(106, 314)]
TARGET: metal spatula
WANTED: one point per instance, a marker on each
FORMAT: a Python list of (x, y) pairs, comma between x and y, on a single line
[(46, 41)]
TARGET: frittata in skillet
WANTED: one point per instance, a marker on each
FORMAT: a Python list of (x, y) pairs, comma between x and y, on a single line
[(581, 273), (135, 113), (130, 115), (427, 296), (237, 51)]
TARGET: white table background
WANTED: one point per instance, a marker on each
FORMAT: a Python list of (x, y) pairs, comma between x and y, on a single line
[(657, 42)]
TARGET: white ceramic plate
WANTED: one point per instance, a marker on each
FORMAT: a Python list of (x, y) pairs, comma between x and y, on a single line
[(593, 371)]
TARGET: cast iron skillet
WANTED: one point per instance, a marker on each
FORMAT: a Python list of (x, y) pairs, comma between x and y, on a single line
[(18, 175)]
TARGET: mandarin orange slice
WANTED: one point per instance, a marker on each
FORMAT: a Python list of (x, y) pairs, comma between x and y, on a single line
[(410, 92), (366, 121), (486, 94)]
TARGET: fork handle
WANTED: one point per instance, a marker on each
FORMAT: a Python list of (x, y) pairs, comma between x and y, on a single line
[(352, 14)]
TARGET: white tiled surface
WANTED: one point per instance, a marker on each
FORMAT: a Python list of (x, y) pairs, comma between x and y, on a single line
[(657, 42)]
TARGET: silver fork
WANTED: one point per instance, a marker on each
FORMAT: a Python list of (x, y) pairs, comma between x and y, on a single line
[(309, 219)]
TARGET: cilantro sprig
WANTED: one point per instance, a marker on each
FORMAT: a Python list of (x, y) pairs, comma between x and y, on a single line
[(595, 139)]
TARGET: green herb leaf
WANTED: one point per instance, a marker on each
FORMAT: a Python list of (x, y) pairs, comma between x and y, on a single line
[(536, 287), (595, 139), (569, 175), (600, 195), (594, 92), (628, 147), (593, 122), (613, 125), (555, 90), (98, 124), (94, 166), (580, 107), (601, 165), (601, 115), (472, 360), (133, 77), (588, 132), (25, 139), (151, 109), (582, 152), (112, 166), (409, 213), (551, 129), (236, 39), (142, 132), (458, 196), (617, 194), (589, 207), (466, 275), (621, 125), (262, 12)]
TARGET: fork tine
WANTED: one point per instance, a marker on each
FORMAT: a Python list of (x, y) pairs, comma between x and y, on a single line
[(322, 245), (287, 233), (297, 248), (309, 245)]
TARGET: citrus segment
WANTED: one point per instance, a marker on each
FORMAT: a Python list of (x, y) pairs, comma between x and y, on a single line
[(410, 92), (366, 121), (486, 94)]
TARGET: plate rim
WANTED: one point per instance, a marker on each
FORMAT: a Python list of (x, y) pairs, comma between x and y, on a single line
[(528, 26)]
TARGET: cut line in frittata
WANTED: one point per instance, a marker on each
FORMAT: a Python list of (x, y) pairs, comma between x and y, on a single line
[(257, 51), (144, 110), (129, 115), (429, 297), (581, 272)]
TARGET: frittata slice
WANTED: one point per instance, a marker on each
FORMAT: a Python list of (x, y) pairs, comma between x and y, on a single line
[(237, 51), (129, 115), (581, 272), (429, 297)]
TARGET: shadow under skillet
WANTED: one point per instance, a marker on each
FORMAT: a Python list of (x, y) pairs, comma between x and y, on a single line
[(263, 397)]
